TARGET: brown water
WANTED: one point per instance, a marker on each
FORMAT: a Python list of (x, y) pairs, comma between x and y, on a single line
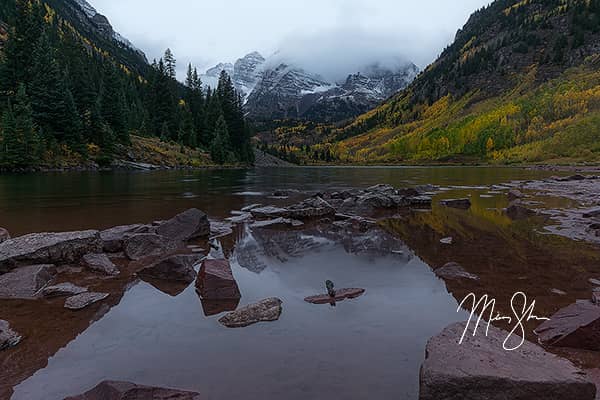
[(370, 347)]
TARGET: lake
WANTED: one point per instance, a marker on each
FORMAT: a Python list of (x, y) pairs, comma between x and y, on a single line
[(369, 347)]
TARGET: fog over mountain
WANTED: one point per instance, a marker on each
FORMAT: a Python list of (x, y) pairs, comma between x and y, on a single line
[(330, 37)]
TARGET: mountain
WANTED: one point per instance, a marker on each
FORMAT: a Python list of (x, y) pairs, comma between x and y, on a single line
[(280, 90), (520, 83)]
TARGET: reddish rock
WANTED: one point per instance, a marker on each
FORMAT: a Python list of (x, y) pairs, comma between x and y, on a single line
[(178, 268), (4, 235), (113, 390), (188, 225), (26, 282), (216, 282), (576, 326), (113, 239), (480, 369), (145, 245), (100, 263), (215, 307), (340, 295)]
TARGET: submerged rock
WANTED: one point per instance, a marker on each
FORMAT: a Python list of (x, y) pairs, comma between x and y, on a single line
[(100, 263), (145, 245), (4, 235), (188, 225), (113, 239), (114, 390), (263, 311), (340, 295), (62, 290), (26, 282), (48, 248), (454, 271), (83, 300), (576, 326), (480, 369), (462, 204), (8, 337), (215, 281), (178, 268)]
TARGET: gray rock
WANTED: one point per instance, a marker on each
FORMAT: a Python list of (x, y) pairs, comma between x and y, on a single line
[(48, 248), (190, 224), (575, 326), (113, 238), (340, 295), (238, 219), (113, 390), (278, 222), (518, 212), (447, 241), (592, 213), (311, 208), (100, 263), (178, 268), (4, 235), (454, 271), (251, 207), (145, 245), (26, 282), (220, 229), (83, 300), (480, 369), (62, 290), (515, 194), (269, 212), (8, 337), (265, 310), (462, 204)]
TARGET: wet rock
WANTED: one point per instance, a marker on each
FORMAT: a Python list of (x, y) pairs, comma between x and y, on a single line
[(83, 300), (48, 248), (8, 337), (220, 229), (263, 311), (26, 282), (595, 282), (515, 194), (269, 212), (596, 296), (462, 204), (215, 281), (113, 238), (251, 207), (558, 292), (592, 213), (62, 290), (148, 245), (454, 271), (277, 223), (447, 241), (4, 235), (376, 200), (311, 208), (188, 225), (238, 219), (215, 307), (382, 188), (178, 268), (113, 390), (576, 326), (518, 212), (576, 177), (340, 295), (419, 201), (480, 369), (100, 263)]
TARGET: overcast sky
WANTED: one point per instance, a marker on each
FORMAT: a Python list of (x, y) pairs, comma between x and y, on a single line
[(329, 36)]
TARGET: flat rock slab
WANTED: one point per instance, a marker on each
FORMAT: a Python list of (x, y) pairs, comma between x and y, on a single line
[(462, 204), (8, 337), (269, 212), (340, 295), (576, 326), (48, 248), (145, 245), (454, 271), (113, 390), (62, 290), (263, 311), (113, 239), (100, 263), (190, 224), (216, 282), (178, 268), (480, 369), (26, 282), (84, 300), (277, 223)]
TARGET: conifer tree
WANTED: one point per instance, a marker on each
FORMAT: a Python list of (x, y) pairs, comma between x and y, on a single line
[(170, 64), (219, 148)]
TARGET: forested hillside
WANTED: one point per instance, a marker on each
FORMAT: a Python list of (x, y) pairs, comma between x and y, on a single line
[(520, 83), (68, 92)]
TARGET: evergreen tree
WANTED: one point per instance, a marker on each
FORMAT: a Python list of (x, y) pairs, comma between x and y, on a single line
[(219, 148), (170, 64)]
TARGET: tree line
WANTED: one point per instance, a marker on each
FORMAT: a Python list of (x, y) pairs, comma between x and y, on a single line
[(61, 95)]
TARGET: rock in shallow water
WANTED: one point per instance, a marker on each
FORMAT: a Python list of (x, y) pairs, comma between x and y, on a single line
[(8, 337), (454, 271), (576, 326), (114, 390), (100, 263), (62, 290), (263, 311), (113, 238), (340, 295), (84, 300), (178, 268), (188, 225), (480, 369), (462, 204), (26, 282), (48, 248), (4, 235), (519, 212), (216, 282), (145, 245)]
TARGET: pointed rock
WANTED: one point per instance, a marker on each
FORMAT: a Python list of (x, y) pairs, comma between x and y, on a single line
[(188, 225), (100, 263), (216, 282)]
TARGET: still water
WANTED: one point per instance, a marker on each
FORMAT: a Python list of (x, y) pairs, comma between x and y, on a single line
[(370, 347)]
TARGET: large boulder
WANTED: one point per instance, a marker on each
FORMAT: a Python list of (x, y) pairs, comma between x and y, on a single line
[(8, 337), (178, 268), (480, 369), (216, 282), (263, 311), (340, 295), (4, 235), (113, 390), (113, 239), (48, 248), (83, 300), (145, 245), (26, 282), (62, 290), (100, 263), (188, 225), (576, 326)]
